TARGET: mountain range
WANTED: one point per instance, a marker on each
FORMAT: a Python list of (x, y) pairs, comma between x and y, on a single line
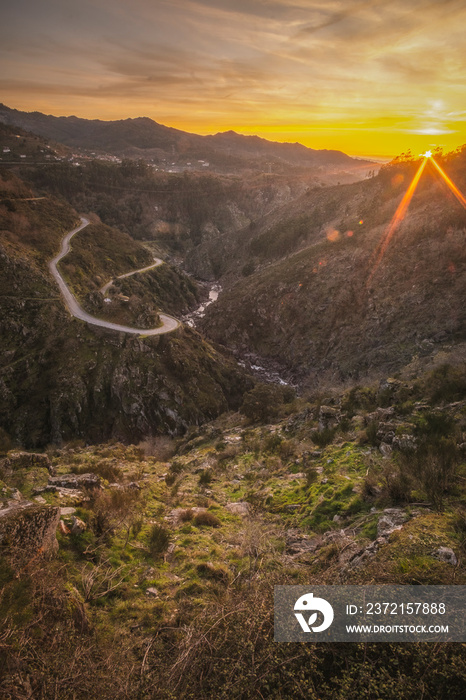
[(142, 137)]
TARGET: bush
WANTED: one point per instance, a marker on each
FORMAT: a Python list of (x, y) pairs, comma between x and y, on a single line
[(170, 478), (207, 519), (398, 483), (176, 467), (214, 573), (447, 383), (205, 477), (186, 515), (272, 442), (323, 437), (159, 539), (228, 452), (112, 510), (107, 470), (432, 462), (311, 476), (264, 401), (371, 432), (161, 447)]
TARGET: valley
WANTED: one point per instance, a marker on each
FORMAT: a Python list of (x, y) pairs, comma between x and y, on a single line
[(220, 386)]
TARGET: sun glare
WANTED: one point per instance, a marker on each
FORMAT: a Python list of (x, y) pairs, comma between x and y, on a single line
[(397, 219), (403, 206), (459, 196)]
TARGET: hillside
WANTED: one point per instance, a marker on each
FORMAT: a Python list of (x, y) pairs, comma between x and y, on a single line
[(145, 138), (162, 585), (311, 297), (66, 379)]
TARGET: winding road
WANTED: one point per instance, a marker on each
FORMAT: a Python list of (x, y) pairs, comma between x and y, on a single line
[(128, 274), (168, 322)]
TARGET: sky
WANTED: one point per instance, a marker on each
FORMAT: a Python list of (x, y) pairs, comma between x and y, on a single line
[(369, 77)]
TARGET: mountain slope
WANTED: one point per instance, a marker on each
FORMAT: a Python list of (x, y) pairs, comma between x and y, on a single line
[(65, 379), (144, 137), (167, 565), (328, 307)]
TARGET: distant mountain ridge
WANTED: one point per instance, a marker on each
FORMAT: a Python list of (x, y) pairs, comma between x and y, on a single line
[(144, 137)]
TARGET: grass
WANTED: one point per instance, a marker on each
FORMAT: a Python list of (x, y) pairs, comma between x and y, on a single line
[(218, 557)]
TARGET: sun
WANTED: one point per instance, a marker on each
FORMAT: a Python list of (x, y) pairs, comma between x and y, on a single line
[(403, 206)]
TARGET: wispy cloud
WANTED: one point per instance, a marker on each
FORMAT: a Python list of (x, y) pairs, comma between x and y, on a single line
[(341, 62)]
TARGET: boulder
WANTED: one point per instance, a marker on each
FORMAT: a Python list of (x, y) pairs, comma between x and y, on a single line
[(71, 496), (239, 508), (180, 515), (385, 449), (67, 511), (384, 413), (77, 526), (29, 529), (297, 543), (391, 520), (404, 443), (446, 554), (24, 460), (76, 481), (329, 417)]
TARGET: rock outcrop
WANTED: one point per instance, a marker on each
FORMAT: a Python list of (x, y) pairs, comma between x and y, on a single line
[(28, 529), (75, 481), (26, 460)]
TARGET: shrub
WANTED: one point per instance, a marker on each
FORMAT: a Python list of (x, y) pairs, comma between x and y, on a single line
[(159, 539), (398, 483), (359, 398), (170, 478), (323, 437), (205, 477), (228, 452), (433, 460), (107, 470), (207, 519), (112, 510), (186, 515), (371, 432), (447, 383), (176, 467), (370, 487), (272, 442), (162, 447), (214, 573), (264, 401), (311, 476)]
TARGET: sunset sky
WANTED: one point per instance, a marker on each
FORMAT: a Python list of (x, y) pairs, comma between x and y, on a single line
[(367, 77)]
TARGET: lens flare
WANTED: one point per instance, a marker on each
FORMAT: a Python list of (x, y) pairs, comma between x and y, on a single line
[(395, 222), (403, 206), (450, 184)]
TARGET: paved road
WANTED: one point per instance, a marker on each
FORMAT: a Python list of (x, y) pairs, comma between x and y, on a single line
[(168, 322), (134, 272)]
